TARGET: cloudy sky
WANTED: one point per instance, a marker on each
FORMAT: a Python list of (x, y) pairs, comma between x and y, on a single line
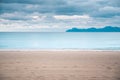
[(57, 15)]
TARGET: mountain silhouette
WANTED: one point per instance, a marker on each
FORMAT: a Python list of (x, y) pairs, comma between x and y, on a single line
[(105, 29)]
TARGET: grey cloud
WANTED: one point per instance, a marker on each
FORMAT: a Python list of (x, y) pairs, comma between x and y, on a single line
[(115, 3), (48, 7), (22, 16), (21, 1), (62, 7), (11, 8), (101, 12), (40, 2), (106, 12)]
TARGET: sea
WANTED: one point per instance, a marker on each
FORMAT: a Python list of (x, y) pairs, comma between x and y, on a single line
[(60, 40)]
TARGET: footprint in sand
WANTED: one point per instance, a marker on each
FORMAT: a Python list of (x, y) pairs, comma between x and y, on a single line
[(63, 78), (44, 67), (75, 66), (93, 77), (18, 62), (64, 66), (72, 75), (40, 77), (25, 68), (118, 78), (109, 68), (32, 72), (102, 65), (36, 67), (116, 64)]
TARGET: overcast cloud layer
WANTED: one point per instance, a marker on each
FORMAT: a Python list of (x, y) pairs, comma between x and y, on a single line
[(57, 15)]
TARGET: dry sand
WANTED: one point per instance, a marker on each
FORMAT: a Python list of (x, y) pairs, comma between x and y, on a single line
[(59, 65)]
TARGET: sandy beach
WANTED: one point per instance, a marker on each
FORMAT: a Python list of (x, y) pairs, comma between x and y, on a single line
[(59, 65)]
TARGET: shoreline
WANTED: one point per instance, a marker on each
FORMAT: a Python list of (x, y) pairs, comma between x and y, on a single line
[(56, 50)]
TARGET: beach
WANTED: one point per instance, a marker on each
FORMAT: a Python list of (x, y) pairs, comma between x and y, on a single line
[(60, 65)]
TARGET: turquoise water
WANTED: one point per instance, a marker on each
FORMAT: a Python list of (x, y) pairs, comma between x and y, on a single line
[(37, 40)]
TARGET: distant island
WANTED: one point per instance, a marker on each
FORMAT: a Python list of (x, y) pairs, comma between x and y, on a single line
[(105, 29)]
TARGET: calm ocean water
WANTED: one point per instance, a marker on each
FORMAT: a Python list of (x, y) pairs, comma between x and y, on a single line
[(82, 41)]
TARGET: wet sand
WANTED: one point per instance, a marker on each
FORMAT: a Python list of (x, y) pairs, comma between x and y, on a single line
[(59, 65)]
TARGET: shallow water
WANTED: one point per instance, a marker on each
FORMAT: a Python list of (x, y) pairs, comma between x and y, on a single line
[(38, 40)]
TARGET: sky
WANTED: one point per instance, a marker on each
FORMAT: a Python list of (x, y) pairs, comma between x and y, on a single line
[(57, 15)]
